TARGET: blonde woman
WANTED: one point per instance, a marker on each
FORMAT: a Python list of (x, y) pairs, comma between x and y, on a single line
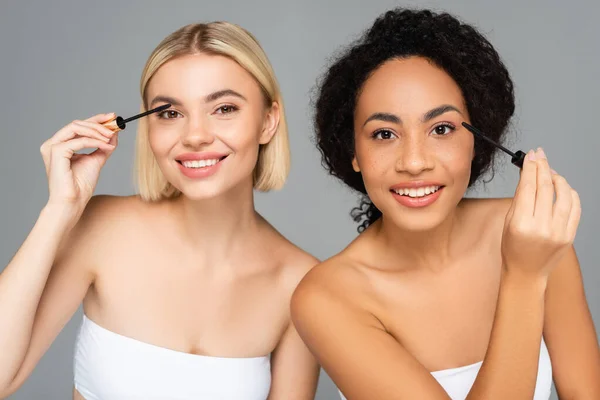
[(185, 287)]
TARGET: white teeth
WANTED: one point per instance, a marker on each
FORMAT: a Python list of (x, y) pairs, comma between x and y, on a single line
[(199, 163), (417, 192)]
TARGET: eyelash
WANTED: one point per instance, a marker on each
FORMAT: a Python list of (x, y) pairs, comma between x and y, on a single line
[(378, 132), (443, 124), (231, 106), (447, 125), (163, 115)]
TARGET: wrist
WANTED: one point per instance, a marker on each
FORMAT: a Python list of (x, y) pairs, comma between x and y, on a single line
[(62, 214), (517, 277)]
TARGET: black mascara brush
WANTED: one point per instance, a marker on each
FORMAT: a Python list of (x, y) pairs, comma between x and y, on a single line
[(517, 158), (119, 123)]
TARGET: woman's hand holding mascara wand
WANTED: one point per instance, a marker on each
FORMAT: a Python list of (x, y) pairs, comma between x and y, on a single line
[(72, 177), (538, 229)]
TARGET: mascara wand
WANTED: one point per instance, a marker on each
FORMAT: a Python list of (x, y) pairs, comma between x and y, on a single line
[(119, 123), (517, 158)]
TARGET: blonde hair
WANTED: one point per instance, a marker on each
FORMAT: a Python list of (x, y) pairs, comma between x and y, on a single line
[(232, 41)]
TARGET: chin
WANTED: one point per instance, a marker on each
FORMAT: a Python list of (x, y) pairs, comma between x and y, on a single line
[(197, 192), (423, 222)]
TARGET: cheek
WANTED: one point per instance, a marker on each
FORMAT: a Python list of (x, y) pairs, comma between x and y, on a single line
[(375, 160), (160, 141), (456, 157), (239, 134)]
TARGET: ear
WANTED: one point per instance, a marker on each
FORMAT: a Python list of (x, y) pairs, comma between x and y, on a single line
[(355, 165), (271, 124)]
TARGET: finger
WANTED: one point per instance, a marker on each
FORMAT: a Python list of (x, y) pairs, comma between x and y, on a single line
[(101, 118), (62, 153), (114, 140), (82, 130), (545, 188), (103, 153), (564, 203), (524, 201), (66, 132), (575, 215), (71, 131), (97, 127), (69, 148)]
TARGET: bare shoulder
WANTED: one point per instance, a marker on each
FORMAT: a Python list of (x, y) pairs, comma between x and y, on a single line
[(486, 215), (104, 213), (99, 225), (334, 290), (339, 279), (292, 261), (496, 207)]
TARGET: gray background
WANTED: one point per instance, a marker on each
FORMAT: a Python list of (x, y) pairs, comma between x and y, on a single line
[(66, 60)]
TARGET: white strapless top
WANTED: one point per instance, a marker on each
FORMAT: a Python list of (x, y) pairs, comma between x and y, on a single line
[(458, 381), (110, 366)]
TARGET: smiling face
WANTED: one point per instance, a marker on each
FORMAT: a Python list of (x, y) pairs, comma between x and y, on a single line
[(410, 147), (207, 142)]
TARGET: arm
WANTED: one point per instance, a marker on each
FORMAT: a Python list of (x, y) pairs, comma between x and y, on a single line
[(514, 348), (570, 335), (40, 290), (295, 372), (45, 282)]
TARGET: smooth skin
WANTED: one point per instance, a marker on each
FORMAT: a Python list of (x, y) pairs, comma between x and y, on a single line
[(203, 273), (453, 283)]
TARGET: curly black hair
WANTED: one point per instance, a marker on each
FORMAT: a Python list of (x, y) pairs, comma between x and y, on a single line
[(457, 48)]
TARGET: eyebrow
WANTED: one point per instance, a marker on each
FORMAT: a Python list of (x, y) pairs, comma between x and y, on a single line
[(436, 112), (385, 117), (165, 99), (209, 98), (221, 93), (429, 115)]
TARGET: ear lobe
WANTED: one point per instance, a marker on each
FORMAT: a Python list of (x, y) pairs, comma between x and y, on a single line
[(355, 165), (271, 124)]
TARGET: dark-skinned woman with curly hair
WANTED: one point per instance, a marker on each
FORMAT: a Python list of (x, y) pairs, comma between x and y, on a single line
[(442, 296)]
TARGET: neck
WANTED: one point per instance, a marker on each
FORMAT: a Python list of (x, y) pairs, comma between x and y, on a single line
[(218, 226), (430, 249)]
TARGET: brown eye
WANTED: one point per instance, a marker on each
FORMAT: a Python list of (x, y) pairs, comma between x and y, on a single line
[(383, 134), (443, 129), (168, 114), (226, 109)]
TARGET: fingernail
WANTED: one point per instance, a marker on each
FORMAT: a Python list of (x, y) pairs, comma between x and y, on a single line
[(541, 154), (530, 155), (553, 171)]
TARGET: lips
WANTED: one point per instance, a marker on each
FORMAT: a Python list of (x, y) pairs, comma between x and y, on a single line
[(200, 165), (417, 193), (200, 156)]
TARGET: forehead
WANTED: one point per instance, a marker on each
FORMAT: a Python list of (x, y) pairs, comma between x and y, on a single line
[(192, 76), (408, 86)]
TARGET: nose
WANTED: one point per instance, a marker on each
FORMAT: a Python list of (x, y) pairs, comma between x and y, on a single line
[(413, 155), (197, 133)]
